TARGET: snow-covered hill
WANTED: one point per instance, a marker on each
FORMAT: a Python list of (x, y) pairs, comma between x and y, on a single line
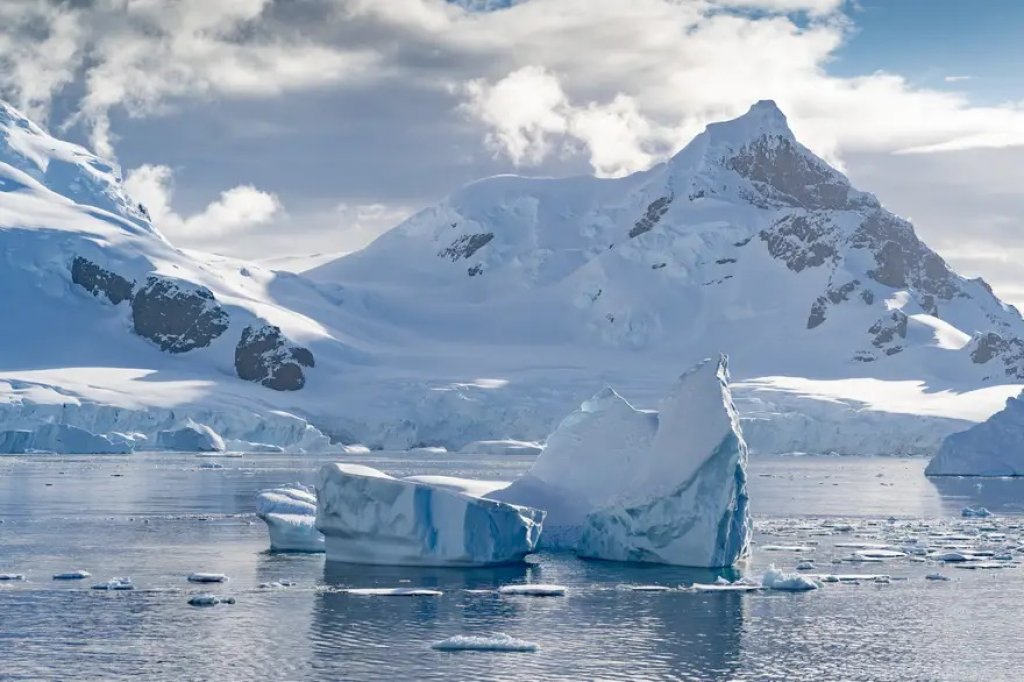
[(494, 313)]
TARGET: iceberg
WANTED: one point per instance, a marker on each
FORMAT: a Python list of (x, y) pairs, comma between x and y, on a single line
[(193, 437), (994, 447), (368, 517), (629, 485), (290, 514)]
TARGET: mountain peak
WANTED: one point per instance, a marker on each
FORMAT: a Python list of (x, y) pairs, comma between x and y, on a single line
[(763, 118)]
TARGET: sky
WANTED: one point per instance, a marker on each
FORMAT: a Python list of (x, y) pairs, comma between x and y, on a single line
[(267, 129)]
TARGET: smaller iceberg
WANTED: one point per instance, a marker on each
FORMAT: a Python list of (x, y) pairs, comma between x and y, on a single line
[(209, 600), (994, 447), (368, 517), (290, 513), (72, 575), (497, 642), (975, 513), (774, 579), (207, 578), (115, 584)]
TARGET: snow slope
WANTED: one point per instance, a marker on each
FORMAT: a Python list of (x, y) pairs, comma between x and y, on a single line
[(491, 314)]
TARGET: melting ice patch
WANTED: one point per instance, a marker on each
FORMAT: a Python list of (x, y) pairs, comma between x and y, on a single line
[(497, 642)]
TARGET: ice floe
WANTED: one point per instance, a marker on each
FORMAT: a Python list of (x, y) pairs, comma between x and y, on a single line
[(533, 590), (115, 584), (207, 578), (72, 575), (497, 642), (393, 592)]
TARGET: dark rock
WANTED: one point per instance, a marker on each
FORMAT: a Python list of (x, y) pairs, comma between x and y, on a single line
[(888, 328), (817, 315), (986, 347), (652, 216), (465, 246), (177, 315), (97, 281), (475, 270), (265, 355), (867, 296), (725, 261), (787, 174), (892, 266), (802, 241), (903, 259)]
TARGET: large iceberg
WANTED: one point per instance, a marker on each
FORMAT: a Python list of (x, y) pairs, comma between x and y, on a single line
[(192, 437), (290, 514), (994, 447), (369, 517), (667, 487)]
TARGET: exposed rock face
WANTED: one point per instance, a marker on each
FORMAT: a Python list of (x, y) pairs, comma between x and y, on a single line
[(465, 246), (263, 354), (903, 260), (788, 175), (176, 315), (887, 330), (654, 213), (99, 281), (1009, 352), (833, 295), (802, 241)]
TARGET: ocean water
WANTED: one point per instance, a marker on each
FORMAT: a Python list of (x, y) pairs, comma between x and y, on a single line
[(158, 518)]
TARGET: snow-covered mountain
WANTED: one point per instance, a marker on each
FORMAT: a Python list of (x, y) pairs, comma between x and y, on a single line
[(497, 311)]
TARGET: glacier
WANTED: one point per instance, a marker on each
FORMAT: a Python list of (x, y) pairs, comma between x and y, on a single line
[(478, 321), (994, 447), (191, 437), (368, 517), (290, 514), (64, 439), (630, 485)]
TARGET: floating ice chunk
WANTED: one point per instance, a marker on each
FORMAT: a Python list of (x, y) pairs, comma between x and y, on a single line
[(663, 488), (882, 580), (209, 600), (6, 577), (723, 585), (117, 584), (277, 584), (648, 588), (211, 465), (369, 517), (787, 548), (879, 554), (290, 514), (501, 447), (975, 512), (533, 590), (805, 566), (951, 556), (979, 565), (393, 592), (207, 578), (846, 577), (936, 576), (192, 437), (498, 642), (72, 575), (774, 579), (862, 545)]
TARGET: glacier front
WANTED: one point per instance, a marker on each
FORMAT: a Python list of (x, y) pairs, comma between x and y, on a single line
[(368, 517), (667, 487), (994, 447)]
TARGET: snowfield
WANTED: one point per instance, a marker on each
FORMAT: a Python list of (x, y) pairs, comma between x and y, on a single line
[(478, 322)]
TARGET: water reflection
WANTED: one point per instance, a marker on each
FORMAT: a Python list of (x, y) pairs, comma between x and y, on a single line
[(998, 495)]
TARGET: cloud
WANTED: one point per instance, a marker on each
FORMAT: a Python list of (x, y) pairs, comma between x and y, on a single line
[(957, 79), (237, 210)]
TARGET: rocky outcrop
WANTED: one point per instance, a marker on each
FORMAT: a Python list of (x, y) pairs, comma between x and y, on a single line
[(788, 175), (177, 315), (465, 246), (802, 241), (655, 211), (265, 355), (1008, 351), (834, 296), (99, 281), (903, 261), (888, 331)]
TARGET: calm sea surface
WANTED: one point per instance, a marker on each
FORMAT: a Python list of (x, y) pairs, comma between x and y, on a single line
[(158, 518)]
